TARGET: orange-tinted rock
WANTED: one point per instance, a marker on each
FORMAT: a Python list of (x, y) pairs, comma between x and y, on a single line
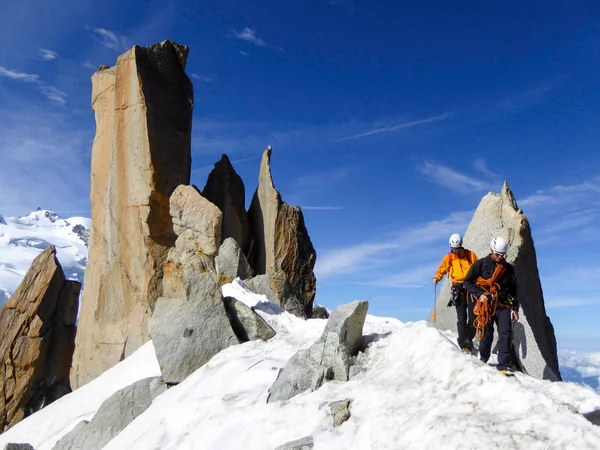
[(37, 339), (141, 153)]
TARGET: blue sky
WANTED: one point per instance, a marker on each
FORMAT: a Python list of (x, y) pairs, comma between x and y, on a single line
[(389, 122)]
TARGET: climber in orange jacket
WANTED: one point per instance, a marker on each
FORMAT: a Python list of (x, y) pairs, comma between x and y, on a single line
[(457, 264)]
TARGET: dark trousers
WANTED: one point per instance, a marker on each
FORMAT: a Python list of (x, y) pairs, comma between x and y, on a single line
[(503, 320), (464, 324)]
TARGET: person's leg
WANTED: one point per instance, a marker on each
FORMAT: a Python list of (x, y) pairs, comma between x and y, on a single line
[(471, 331), (504, 318), (485, 345), (461, 324)]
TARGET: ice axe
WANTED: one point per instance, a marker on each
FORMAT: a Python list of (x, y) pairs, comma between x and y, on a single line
[(434, 300)]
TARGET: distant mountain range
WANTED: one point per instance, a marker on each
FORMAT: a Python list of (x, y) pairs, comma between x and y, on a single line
[(23, 238)]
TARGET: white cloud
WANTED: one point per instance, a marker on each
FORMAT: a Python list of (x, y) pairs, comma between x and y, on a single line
[(322, 208), (111, 39), (90, 66), (570, 302), (44, 161), (414, 277), (54, 94), (249, 35), (481, 166), (396, 127), (48, 55), (389, 250), (19, 76), (243, 53), (454, 180), (202, 78)]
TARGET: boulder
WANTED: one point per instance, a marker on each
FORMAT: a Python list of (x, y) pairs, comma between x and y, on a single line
[(246, 323), (141, 153), (278, 290), (231, 262), (115, 413), (305, 443), (225, 189), (534, 341), (329, 358), (340, 411), (189, 324), (320, 312), (13, 446), (280, 240), (37, 338)]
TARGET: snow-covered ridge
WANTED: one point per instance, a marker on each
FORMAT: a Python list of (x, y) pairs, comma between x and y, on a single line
[(415, 389), (23, 238)]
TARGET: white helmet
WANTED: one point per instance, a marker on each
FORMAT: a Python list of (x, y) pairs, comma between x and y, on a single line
[(455, 241), (499, 245)]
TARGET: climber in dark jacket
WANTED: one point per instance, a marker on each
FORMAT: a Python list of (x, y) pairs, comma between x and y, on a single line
[(491, 280)]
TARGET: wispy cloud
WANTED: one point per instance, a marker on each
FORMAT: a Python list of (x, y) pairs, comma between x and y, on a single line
[(322, 208), (481, 167), (388, 251), (414, 277), (396, 127), (19, 76), (243, 53), (248, 35), (90, 66), (44, 161), (565, 214), (570, 302), (48, 55), (531, 95), (110, 39), (456, 181), (50, 92), (202, 78), (347, 3), (54, 94)]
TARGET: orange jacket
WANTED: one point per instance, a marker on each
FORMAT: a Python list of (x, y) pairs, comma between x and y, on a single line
[(456, 266)]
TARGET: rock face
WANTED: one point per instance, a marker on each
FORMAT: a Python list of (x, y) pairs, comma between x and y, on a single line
[(305, 443), (225, 189), (231, 262), (113, 416), (190, 325), (247, 325), (329, 358), (141, 153), (37, 339), (533, 338), (340, 411), (281, 245)]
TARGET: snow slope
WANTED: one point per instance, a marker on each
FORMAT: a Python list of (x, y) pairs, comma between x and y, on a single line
[(23, 238), (415, 390)]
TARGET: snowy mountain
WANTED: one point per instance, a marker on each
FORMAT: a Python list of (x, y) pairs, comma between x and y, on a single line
[(23, 238), (414, 389)]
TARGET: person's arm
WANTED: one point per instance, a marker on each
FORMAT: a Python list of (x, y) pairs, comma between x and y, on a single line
[(472, 275), (442, 270), (512, 288)]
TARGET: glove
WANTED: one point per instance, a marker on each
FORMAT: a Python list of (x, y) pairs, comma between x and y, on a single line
[(435, 281)]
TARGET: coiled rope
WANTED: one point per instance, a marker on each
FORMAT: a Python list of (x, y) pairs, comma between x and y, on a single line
[(485, 310)]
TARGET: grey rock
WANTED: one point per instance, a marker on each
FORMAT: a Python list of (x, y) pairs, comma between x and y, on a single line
[(340, 411), (305, 443), (231, 262), (83, 233), (247, 325), (189, 324), (2, 222), (281, 242), (534, 341), (320, 312), (187, 333), (11, 446), (593, 417), (278, 290), (226, 190), (329, 358), (117, 411)]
